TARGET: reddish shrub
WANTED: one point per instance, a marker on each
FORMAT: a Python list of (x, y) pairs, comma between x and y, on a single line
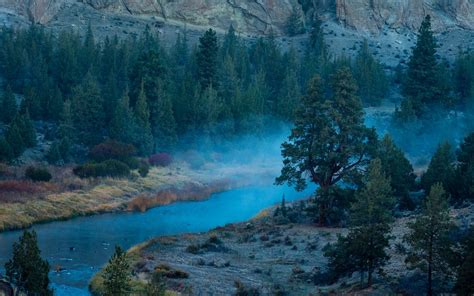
[(160, 159), (112, 150), (21, 190)]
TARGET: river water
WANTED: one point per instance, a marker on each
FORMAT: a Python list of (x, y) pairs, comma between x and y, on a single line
[(82, 245)]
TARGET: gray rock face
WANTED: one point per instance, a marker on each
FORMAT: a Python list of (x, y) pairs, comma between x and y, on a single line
[(257, 17), (374, 15)]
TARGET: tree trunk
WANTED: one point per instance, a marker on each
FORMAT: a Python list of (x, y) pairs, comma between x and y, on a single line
[(323, 204)]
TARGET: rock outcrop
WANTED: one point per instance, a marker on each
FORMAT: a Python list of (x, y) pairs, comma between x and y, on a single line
[(375, 15), (258, 17)]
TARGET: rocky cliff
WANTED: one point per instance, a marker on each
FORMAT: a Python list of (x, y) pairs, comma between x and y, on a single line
[(260, 16)]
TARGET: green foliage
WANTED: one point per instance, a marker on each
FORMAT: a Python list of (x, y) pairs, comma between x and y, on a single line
[(364, 248), (329, 140), (143, 168), (370, 77), (464, 78), (122, 126), (465, 273), (117, 275), (428, 237), (111, 149), (143, 130), (87, 111), (294, 23), (6, 152), (156, 286), (38, 174), (8, 106), (27, 270), (424, 83), (396, 166), (53, 155), (464, 179), (440, 169), (206, 59)]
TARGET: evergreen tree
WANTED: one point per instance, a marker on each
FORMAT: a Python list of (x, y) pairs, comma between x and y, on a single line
[(464, 284), (15, 140), (396, 166), (142, 118), (27, 129), (428, 237), (207, 59), (6, 152), (122, 124), (370, 76), (423, 83), (53, 155), (117, 275), (440, 169), (465, 169), (8, 104), (364, 248), (87, 111), (294, 24), (27, 270), (329, 140), (163, 124), (464, 78)]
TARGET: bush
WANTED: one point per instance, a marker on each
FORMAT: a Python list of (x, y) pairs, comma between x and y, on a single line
[(112, 150), (38, 174), (143, 169), (108, 168), (160, 159)]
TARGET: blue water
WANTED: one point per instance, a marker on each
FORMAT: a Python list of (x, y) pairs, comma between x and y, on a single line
[(93, 238)]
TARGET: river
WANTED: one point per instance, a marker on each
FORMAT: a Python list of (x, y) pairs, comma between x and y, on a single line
[(81, 246)]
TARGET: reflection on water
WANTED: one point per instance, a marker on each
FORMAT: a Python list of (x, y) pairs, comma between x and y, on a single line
[(81, 246)]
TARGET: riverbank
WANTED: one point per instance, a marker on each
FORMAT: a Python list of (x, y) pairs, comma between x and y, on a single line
[(163, 185), (271, 254)]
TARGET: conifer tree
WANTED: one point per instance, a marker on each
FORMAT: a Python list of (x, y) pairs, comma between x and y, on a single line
[(364, 248), (121, 126), (440, 169), (9, 106), (87, 111), (464, 284), (329, 140), (422, 85), (15, 140), (464, 179), (27, 270), (163, 124), (117, 275), (396, 166), (428, 237), (6, 152), (27, 129), (294, 24), (207, 59), (142, 118)]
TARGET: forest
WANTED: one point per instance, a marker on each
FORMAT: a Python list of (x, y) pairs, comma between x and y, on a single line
[(120, 104)]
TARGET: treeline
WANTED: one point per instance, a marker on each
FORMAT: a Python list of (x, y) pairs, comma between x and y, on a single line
[(137, 92)]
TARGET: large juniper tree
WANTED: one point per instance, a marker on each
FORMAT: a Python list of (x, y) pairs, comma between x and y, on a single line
[(329, 140)]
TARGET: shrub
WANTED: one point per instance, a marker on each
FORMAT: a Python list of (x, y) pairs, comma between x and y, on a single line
[(168, 272), (38, 174), (143, 169), (160, 159), (112, 150), (108, 168)]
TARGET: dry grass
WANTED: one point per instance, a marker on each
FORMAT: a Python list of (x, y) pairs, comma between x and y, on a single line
[(23, 203)]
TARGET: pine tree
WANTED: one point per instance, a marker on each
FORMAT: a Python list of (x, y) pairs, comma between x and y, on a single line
[(15, 140), (370, 76), (163, 124), (464, 284), (422, 85), (27, 269), (428, 237), (27, 129), (9, 107), (6, 152), (396, 166), (207, 59), (117, 275), (464, 179), (142, 118), (294, 24), (87, 111), (364, 248), (440, 169), (329, 140), (122, 124)]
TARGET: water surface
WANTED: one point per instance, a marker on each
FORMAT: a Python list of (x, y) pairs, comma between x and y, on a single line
[(82, 245)]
